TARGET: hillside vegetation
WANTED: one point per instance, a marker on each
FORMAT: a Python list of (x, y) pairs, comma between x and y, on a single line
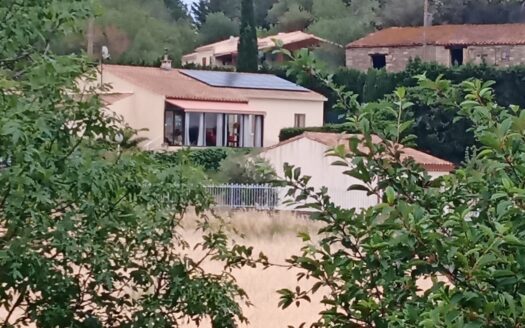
[(137, 31)]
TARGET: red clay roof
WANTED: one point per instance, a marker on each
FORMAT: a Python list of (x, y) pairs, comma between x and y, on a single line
[(445, 35), (111, 98), (171, 84), (175, 85), (229, 46), (429, 162)]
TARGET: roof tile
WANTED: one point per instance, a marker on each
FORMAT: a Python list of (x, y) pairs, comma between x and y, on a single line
[(445, 35), (431, 163), (175, 85)]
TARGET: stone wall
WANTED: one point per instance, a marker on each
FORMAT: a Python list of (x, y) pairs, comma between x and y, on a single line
[(397, 58), (503, 56)]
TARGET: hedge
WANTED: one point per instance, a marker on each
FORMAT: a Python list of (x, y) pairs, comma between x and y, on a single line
[(209, 159), (289, 133), (435, 130)]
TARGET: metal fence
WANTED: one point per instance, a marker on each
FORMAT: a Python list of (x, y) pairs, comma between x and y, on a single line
[(267, 197), (259, 197)]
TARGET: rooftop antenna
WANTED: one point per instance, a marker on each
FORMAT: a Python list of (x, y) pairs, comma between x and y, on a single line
[(166, 61), (426, 23), (104, 55)]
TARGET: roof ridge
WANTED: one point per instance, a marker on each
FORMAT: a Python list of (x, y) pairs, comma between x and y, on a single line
[(461, 34)]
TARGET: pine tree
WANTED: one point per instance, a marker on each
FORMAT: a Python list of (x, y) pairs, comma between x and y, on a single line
[(177, 9), (247, 60), (200, 10)]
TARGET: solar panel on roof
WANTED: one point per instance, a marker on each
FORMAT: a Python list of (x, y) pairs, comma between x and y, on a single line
[(243, 80)]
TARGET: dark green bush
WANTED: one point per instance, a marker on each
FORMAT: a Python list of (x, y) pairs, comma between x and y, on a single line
[(289, 133), (209, 159)]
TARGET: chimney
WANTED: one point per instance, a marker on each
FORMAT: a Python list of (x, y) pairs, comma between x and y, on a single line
[(166, 61)]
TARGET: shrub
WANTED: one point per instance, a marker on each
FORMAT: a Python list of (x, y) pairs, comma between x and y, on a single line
[(245, 169), (446, 252), (209, 159), (90, 232), (289, 133)]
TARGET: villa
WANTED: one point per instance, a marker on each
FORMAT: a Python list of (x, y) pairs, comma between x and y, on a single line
[(176, 108), (224, 53)]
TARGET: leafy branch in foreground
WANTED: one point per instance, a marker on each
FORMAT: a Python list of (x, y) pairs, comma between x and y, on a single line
[(436, 252), (91, 236)]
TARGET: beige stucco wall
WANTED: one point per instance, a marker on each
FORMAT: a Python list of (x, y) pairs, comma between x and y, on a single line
[(311, 157), (144, 110), (281, 114), (196, 58), (398, 57)]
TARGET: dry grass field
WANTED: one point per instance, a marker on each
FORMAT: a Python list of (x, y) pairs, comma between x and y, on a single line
[(276, 236)]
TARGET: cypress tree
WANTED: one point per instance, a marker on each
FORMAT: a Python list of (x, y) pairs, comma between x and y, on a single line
[(248, 52)]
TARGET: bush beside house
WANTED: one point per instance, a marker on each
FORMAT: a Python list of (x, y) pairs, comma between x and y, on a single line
[(289, 133)]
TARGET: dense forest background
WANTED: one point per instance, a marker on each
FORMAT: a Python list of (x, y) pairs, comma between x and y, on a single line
[(138, 31)]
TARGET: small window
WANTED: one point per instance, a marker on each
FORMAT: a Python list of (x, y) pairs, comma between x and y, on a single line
[(204, 59), (456, 56), (378, 61), (505, 54), (300, 121)]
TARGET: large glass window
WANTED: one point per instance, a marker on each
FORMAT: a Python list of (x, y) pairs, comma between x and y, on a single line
[(195, 129), (233, 130), (300, 120), (212, 129), (173, 128)]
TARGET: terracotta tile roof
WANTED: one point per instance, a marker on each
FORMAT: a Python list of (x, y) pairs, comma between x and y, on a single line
[(431, 163), (445, 35), (111, 98), (175, 85), (171, 84), (229, 46)]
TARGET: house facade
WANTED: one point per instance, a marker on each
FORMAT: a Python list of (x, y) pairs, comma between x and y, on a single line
[(224, 53), (189, 108), (392, 48), (308, 151)]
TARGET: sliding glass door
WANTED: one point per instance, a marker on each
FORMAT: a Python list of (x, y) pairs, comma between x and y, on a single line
[(173, 128), (212, 129)]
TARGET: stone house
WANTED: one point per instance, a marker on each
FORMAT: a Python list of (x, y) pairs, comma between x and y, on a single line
[(392, 48)]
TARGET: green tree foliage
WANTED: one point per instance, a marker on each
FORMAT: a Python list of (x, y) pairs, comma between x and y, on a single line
[(200, 10), (144, 41), (217, 27), (261, 11), (446, 252), (288, 133), (410, 12), (90, 235), (342, 23), (248, 50), (245, 169), (435, 128), (295, 18), (402, 13), (230, 8), (155, 27), (177, 9), (209, 159), (290, 15)]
